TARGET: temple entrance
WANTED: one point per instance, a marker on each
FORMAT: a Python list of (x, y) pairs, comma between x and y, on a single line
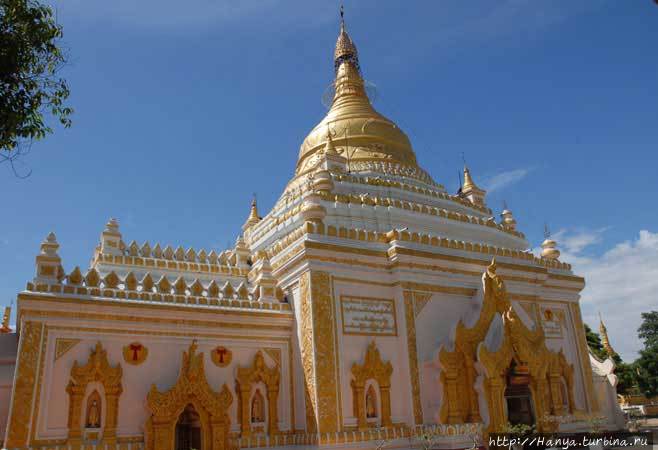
[(518, 396), (188, 430)]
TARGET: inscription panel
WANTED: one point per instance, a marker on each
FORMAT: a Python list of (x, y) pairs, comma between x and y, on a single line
[(368, 316)]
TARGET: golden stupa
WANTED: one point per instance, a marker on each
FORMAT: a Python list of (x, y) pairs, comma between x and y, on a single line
[(358, 131)]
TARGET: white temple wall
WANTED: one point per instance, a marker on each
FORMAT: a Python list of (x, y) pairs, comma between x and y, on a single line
[(352, 347), (161, 368)]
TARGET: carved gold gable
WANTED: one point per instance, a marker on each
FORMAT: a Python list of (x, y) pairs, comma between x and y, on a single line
[(63, 345)]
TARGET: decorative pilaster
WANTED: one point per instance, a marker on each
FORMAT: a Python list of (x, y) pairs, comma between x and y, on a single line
[(24, 385), (495, 390), (473, 403), (449, 377), (76, 395), (385, 392), (245, 419), (273, 411), (318, 325), (359, 406), (556, 394), (219, 434), (112, 401), (410, 319)]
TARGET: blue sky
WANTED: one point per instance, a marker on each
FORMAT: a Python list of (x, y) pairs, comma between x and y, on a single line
[(182, 114)]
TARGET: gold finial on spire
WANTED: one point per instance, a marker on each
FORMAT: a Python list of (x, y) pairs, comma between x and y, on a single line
[(549, 250), (345, 48), (253, 218), (468, 181), (4, 328), (603, 331), (470, 190), (508, 218), (329, 147)]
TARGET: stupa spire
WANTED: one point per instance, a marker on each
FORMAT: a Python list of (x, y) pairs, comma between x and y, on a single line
[(357, 128), (345, 48), (4, 327), (470, 190), (253, 218), (549, 246), (603, 331), (348, 84)]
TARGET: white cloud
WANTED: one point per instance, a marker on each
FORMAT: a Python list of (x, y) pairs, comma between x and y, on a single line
[(621, 283), (576, 241), (504, 179)]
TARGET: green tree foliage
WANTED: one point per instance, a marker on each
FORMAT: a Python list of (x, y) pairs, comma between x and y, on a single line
[(30, 57), (647, 363), (594, 343), (648, 331)]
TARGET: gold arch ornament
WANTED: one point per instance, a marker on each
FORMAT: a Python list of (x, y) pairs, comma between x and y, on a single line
[(547, 369), (191, 388)]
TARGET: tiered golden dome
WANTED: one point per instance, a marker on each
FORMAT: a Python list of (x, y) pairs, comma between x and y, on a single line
[(359, 133)]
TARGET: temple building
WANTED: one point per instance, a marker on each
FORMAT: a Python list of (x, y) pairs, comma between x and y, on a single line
[(368, 304)]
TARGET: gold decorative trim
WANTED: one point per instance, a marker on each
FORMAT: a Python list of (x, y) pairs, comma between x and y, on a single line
[(63, 345), (191, 388), (420, 300), (525, 347), (37, 397), (246, 377), (97, 369), (410, 317), (155, 320), (373, 368), (230, 309), (275, 354), (25, 384), (324, 327), (307, 351)]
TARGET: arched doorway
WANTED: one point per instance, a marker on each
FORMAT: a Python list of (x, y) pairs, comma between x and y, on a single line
[(518, 396), (188, 430), (190, 414)]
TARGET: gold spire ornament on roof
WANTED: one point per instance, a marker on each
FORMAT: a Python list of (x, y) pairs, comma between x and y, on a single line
[(4, 328), (603, 331), (253, 218), (345, 49), (549, 246), (470, 190)]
